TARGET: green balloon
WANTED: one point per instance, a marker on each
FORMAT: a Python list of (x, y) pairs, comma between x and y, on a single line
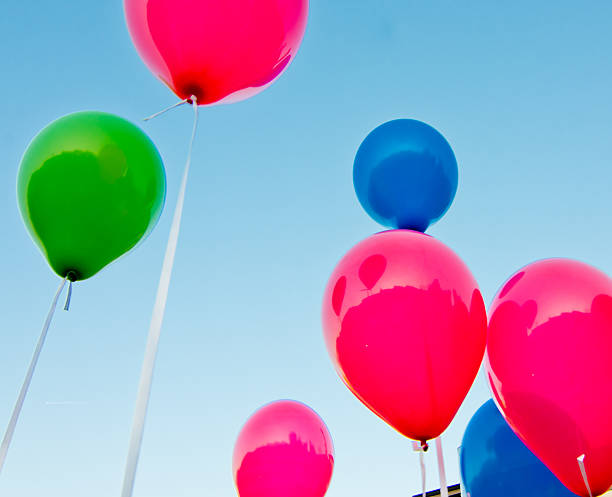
[(90, 187)]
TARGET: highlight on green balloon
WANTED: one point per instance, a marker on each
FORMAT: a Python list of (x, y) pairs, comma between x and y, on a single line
[(90, 187)]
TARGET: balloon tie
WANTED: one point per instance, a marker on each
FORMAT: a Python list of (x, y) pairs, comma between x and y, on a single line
[(69, 296), (441, 468), (10, 430), (157, 317), (584, 475), (174, 106)]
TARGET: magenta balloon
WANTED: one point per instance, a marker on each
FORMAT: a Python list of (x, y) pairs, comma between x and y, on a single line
[(283, 450), (221, 51), (548, 363), (405, 326)]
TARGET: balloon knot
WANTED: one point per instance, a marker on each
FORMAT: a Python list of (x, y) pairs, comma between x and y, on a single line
[(424, 445), (72, 276)]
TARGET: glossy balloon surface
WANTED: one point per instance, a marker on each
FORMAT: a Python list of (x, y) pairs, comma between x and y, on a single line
[(90, 186), (401, 311), (494, 461), (219, 51), (283, 450), (405, 174), (548, 364)]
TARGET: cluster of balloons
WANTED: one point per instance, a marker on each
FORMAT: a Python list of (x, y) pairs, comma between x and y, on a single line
[(91, 186), (398, 309), (401, 306)]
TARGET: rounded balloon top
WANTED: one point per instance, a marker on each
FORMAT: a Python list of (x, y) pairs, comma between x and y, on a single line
[(405, 174), (90, 186), (219, 51), (400, 309), (283, 450), (548, 364)]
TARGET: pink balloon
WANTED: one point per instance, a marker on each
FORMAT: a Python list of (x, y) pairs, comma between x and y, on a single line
[(218, 50), (405, 325), (283, 450), (549, 366)]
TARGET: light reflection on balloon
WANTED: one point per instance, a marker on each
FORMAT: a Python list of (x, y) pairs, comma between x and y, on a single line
[(90, 186), (283, 450), (548, 364), (405, 174), (399, 311)]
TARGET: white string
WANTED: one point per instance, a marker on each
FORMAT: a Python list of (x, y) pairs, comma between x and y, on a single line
[(584, 475), (174, 106), (441, 469), (69, 296), (10, 430), (421, 447), (146, 374), (461, 482), (423, 474)]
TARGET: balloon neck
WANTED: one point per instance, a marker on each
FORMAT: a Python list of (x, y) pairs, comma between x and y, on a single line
[(424, 445), (72, 276), (192, 93)]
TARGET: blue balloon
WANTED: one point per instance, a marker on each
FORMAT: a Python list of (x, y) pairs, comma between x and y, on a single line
[(494, 461), (405, 174)]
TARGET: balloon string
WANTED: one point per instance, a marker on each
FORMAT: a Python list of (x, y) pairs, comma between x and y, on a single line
[(182, 102), (423, 473), (461, 482), (421, 447), (146, 375), (69, 296), (10, 430), (584, 475), (441, 468)]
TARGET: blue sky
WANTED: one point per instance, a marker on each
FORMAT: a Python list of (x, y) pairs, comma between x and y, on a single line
[(522, 93)]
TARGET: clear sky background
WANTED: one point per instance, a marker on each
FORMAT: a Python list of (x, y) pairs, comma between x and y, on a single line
[(520, 90)]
